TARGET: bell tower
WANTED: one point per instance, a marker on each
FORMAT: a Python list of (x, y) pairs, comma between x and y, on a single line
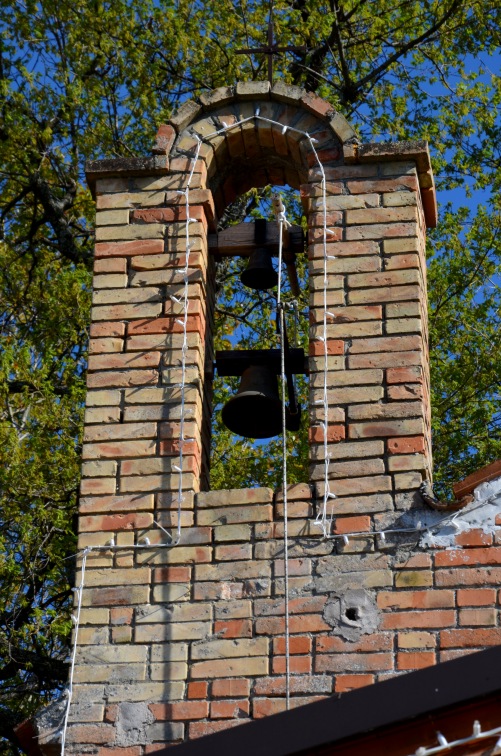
[(189, 617)]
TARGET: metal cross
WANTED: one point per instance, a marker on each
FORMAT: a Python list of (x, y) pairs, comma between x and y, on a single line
[(271, 48)]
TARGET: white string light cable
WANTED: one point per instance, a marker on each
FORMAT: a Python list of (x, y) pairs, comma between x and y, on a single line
[(183, 321), (322, 519), (279, 211), (445, 745), (76, 623)]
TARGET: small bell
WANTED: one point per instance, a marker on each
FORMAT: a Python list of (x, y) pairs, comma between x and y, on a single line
[(260, 273), (256, 410)]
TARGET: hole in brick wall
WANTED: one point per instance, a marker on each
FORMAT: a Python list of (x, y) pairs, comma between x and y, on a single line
[(352, 614), (245, 319)]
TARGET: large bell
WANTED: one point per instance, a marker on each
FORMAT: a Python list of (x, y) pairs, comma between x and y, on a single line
[(260, 273), (256, 410)]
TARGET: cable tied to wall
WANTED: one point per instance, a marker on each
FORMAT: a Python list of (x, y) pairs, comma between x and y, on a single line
[(183, 321), (323, 520)]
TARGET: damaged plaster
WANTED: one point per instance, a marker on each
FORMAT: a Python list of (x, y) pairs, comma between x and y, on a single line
[(353, 614), (480, 514), (132, 721)]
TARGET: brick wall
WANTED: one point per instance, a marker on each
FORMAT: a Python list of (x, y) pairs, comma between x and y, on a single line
[(187, 641), (181, 641)]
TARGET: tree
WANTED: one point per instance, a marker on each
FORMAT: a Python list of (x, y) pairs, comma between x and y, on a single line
[(89, 78)]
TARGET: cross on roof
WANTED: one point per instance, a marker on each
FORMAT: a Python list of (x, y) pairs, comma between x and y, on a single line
[(271, 48)]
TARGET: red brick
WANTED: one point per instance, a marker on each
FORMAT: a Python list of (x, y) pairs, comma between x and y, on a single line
[(166, 325), (197, 690), (237, 628), (470, 638), (171, 448), (469, 576), (164, 139), (334, 644), (404, 375), (468, 557), (233, 552), (334, 346), (111, 265), (345, 683), (91, 733), (316, 104), (127, 751), (111, 713), (466, 486), (264, 707), (415, 561), (100, 330), (121, 615), (476, 596), (335, 432), (325, 156), (229, 709), (123, 361), (200, 729), (429, 599), (404, 620), (276, 625), (478, 617), (230, 688), (300, 665), (408, 445), (473, 538), (123, 379), (130, 521), (172, 574), (165, 712), (405, 391), (415, 659), (298, 644), (118, 596), (352, 524), (128, 248)]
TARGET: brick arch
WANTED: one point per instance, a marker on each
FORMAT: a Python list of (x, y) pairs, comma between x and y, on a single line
[(257, 152), (267, 142)]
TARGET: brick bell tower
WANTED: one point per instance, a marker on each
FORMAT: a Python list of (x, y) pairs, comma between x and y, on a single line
[(182, 633)]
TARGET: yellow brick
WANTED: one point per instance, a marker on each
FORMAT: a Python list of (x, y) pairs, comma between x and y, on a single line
[(248, 667), (416, 640), (413, 578)]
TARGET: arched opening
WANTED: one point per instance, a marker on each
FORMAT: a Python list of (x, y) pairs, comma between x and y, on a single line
[(246, 319), (244, 143)]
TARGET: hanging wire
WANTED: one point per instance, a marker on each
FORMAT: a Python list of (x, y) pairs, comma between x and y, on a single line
[(279, 210), (76, 623), (184, 348)]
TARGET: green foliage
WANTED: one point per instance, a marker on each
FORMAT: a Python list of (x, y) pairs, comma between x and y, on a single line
[(85, 79)]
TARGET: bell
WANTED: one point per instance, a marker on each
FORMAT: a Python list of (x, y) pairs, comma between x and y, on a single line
[(256, 410), (260, 273)]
